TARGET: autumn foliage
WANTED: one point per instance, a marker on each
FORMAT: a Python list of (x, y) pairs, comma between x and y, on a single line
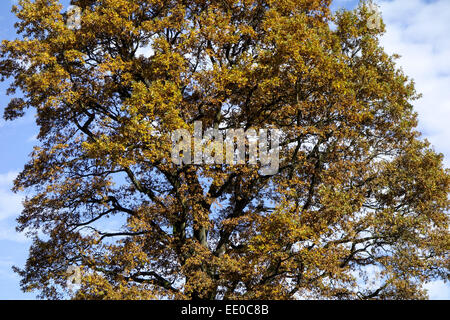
[(357, 210)]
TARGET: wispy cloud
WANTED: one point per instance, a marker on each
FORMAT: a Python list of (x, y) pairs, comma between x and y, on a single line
[(10, 203), (438, 290), (419, 31), (10, 208)]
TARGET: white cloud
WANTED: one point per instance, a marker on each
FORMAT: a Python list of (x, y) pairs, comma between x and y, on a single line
[(418, 30), (10, 208), (7, 178), (10, 203), (146, 51), (9, 233), (438, 290)]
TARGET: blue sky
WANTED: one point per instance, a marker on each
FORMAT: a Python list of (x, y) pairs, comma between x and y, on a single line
[(416, 29)]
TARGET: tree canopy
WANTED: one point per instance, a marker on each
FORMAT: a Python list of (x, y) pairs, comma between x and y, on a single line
[(357, 209)]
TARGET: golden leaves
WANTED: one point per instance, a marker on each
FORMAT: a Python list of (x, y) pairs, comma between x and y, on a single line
[(355, 187)]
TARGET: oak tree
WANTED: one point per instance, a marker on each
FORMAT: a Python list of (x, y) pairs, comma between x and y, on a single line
[(357, 209)]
